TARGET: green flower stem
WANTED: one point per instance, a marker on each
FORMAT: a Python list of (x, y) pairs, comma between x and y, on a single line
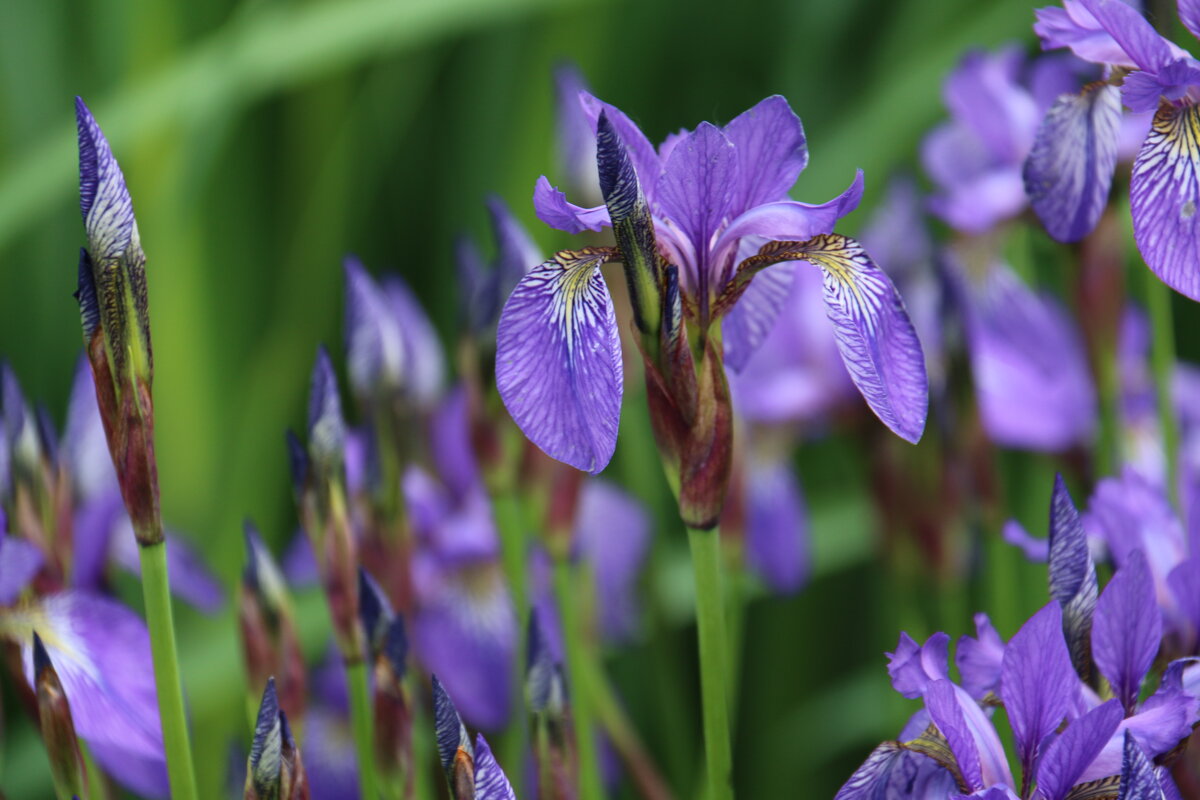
[(1162, 361), (714, 658), (157, 593), (510, 524), (568, 588), (1108, 446), (361, 722)]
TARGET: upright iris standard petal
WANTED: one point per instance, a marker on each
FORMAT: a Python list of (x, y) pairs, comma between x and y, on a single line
[(875, 337), (913, 667), (1069, 171), (490, 781), (1164, 193), (1072, 576), (1077, 747), (1128, 629), (558, 360), (979, 659), (1037, 682), (772, 151)]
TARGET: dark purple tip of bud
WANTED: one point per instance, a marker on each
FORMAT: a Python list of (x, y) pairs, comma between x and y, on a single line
[(448, 726), (253, 544), (535, 643), (543, 678), (297, 461), (373, 609), (395, 646), (618, 181), (85, 295), (326, 426), (266, 726), (89, 158), (285, 730), (41, 659)]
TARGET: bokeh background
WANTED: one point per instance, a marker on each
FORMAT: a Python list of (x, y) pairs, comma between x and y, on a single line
[(264, 140)]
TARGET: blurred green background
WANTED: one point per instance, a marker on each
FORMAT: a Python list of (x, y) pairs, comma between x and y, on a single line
[(264, 140)]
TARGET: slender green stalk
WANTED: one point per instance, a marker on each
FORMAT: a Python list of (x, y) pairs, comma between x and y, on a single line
[(1162, 362), (1108, 447), (361, 722), (714, 695), (510, 524), (567, 588), (159, 618)]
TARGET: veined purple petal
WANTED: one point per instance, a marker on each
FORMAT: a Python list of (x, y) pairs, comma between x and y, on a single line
[(1037, 682), (101, 651), (1073, 26), (942, 703), (1135, 35), (19, 562), (426, 361), (1069, 171), (1164, 194), (465, 631), (788, 221), (979, 659), (771, 150), (875, 337), (490, 781), (612, 531), (1128, 629), (1067, 756), (983, 94), (777, 542), (891, 772), (1138, 781), (913, 667), (558, 360), (553, 209), (103, 198), (696, 193)]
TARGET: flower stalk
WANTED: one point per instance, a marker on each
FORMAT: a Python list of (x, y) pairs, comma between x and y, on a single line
[(1162, 364), (710, 627), (568, 590)]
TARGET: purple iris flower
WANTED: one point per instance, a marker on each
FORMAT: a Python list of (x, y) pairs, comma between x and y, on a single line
[(465, 627), (691, 216), (1033, 677), (19, 563), (1080, 135), (101, 651), (1029, 366)]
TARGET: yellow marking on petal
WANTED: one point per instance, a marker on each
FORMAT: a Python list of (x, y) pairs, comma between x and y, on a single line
[(19, 624)]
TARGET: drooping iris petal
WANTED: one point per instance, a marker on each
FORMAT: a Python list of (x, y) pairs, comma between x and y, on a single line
[(696, 193), (490, 781), (1164, 194), (942, 703), (771, 150), (979, 659), (555, 210), (1077, 747), (612, 531), (465, 631), (876, 339), (913, 667), (101, 651), (1029, 366), (777, 544), (558, 360), (1128, 629), (1072, 575), (1069, 170), (1037, 682)]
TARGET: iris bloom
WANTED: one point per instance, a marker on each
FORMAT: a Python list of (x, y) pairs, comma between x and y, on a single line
[(695, 220), (1078, 140)]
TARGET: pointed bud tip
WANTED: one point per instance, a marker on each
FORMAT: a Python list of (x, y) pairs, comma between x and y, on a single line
[(41, 658)]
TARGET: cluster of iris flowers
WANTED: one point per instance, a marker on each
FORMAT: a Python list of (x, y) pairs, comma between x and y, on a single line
[(473, 563)]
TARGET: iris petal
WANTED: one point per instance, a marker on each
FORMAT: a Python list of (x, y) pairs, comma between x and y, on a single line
[(1128, 628), (553, 209), (1070, 169), (1164, 193), (558, 360)]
